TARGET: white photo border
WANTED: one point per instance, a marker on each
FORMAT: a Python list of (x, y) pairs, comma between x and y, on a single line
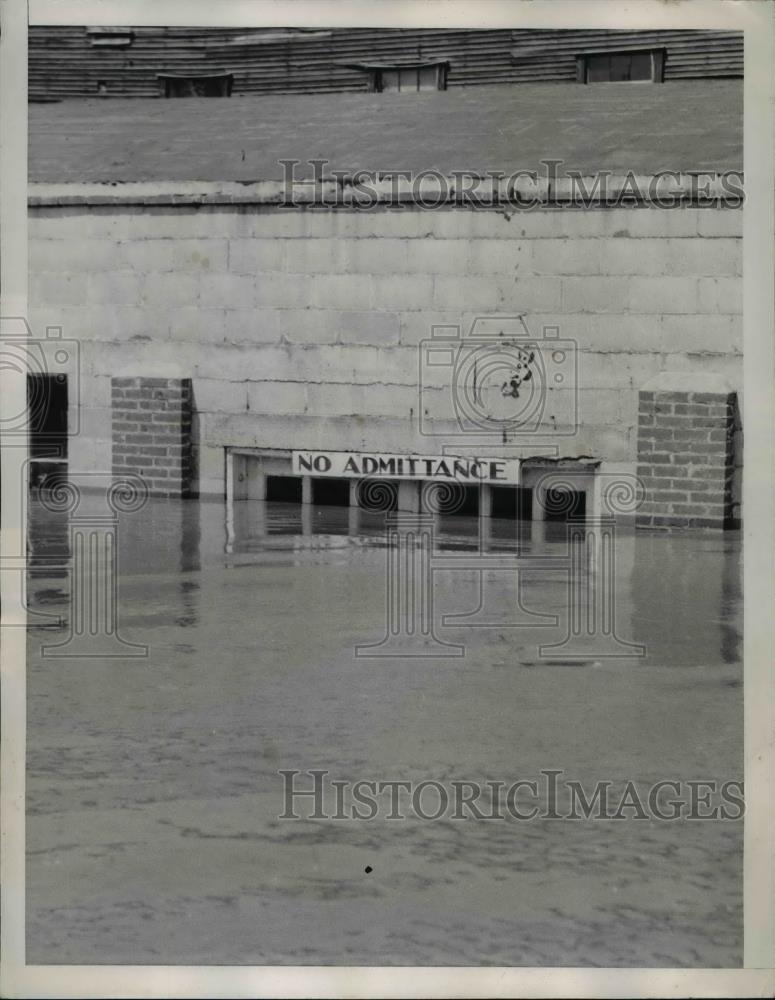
[(757, 20)]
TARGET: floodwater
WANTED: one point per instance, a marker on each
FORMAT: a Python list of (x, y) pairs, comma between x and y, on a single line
[(153, 789)]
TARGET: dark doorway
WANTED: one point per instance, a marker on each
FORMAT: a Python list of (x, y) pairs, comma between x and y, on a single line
[(565, 505), (451, 500), (377, 496), (470, 504), (283, 489), (47, 407), (331, 492), (512, 502)]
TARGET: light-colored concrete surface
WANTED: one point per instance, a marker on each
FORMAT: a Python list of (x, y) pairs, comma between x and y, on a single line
[(305, 328)]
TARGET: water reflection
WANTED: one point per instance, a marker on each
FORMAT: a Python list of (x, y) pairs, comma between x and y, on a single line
[(48, 542), (679, 594), (687, 592), (153, 787), (164, 536)]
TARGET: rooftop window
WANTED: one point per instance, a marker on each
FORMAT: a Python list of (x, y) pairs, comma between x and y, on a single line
[(629, 66), (195, 85), (404, 77), (410, 78)]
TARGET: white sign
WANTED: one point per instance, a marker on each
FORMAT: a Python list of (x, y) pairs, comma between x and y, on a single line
[(371, 465)]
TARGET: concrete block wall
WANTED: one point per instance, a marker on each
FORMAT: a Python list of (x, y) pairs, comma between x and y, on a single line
[(151, 432), (302, 327), (686, 458)]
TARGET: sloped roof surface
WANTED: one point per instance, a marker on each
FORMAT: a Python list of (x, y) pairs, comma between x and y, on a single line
[(645, 128)]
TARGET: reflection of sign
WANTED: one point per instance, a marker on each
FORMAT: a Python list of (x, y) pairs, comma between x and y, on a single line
[(357, 465)]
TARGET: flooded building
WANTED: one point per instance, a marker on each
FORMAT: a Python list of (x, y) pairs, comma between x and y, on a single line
[(408, 256), (373, 270)]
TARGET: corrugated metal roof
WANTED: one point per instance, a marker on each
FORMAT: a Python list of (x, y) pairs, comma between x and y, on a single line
[(551, 55), (66, 62), (620, 127)]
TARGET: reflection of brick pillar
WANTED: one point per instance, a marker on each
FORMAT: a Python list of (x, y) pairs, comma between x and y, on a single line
[(152, 432), (686, 458), (592, 595)]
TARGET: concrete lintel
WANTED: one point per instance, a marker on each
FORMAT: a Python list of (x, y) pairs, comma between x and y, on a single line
[(691, 381), (343, 193)]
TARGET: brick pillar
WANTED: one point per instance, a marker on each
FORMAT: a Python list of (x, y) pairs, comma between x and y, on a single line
[(152, 432), (686, 458)]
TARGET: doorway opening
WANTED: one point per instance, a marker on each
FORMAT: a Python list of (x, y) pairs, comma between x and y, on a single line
[(283, 489), (47, 402)]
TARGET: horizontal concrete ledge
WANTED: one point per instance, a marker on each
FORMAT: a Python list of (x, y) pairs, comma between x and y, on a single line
[(690, 381), (664, 191)]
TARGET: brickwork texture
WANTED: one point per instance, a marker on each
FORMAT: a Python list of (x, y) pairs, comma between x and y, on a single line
[(686, 459), (151, 430)]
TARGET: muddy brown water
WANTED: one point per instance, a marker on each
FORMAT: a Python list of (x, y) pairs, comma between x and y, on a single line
[(153, 792)]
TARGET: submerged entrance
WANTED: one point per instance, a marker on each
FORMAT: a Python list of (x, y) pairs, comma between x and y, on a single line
[(562, 505), (284, 489), (331, 492), (47, 401), (532, 491), (512, 501)]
